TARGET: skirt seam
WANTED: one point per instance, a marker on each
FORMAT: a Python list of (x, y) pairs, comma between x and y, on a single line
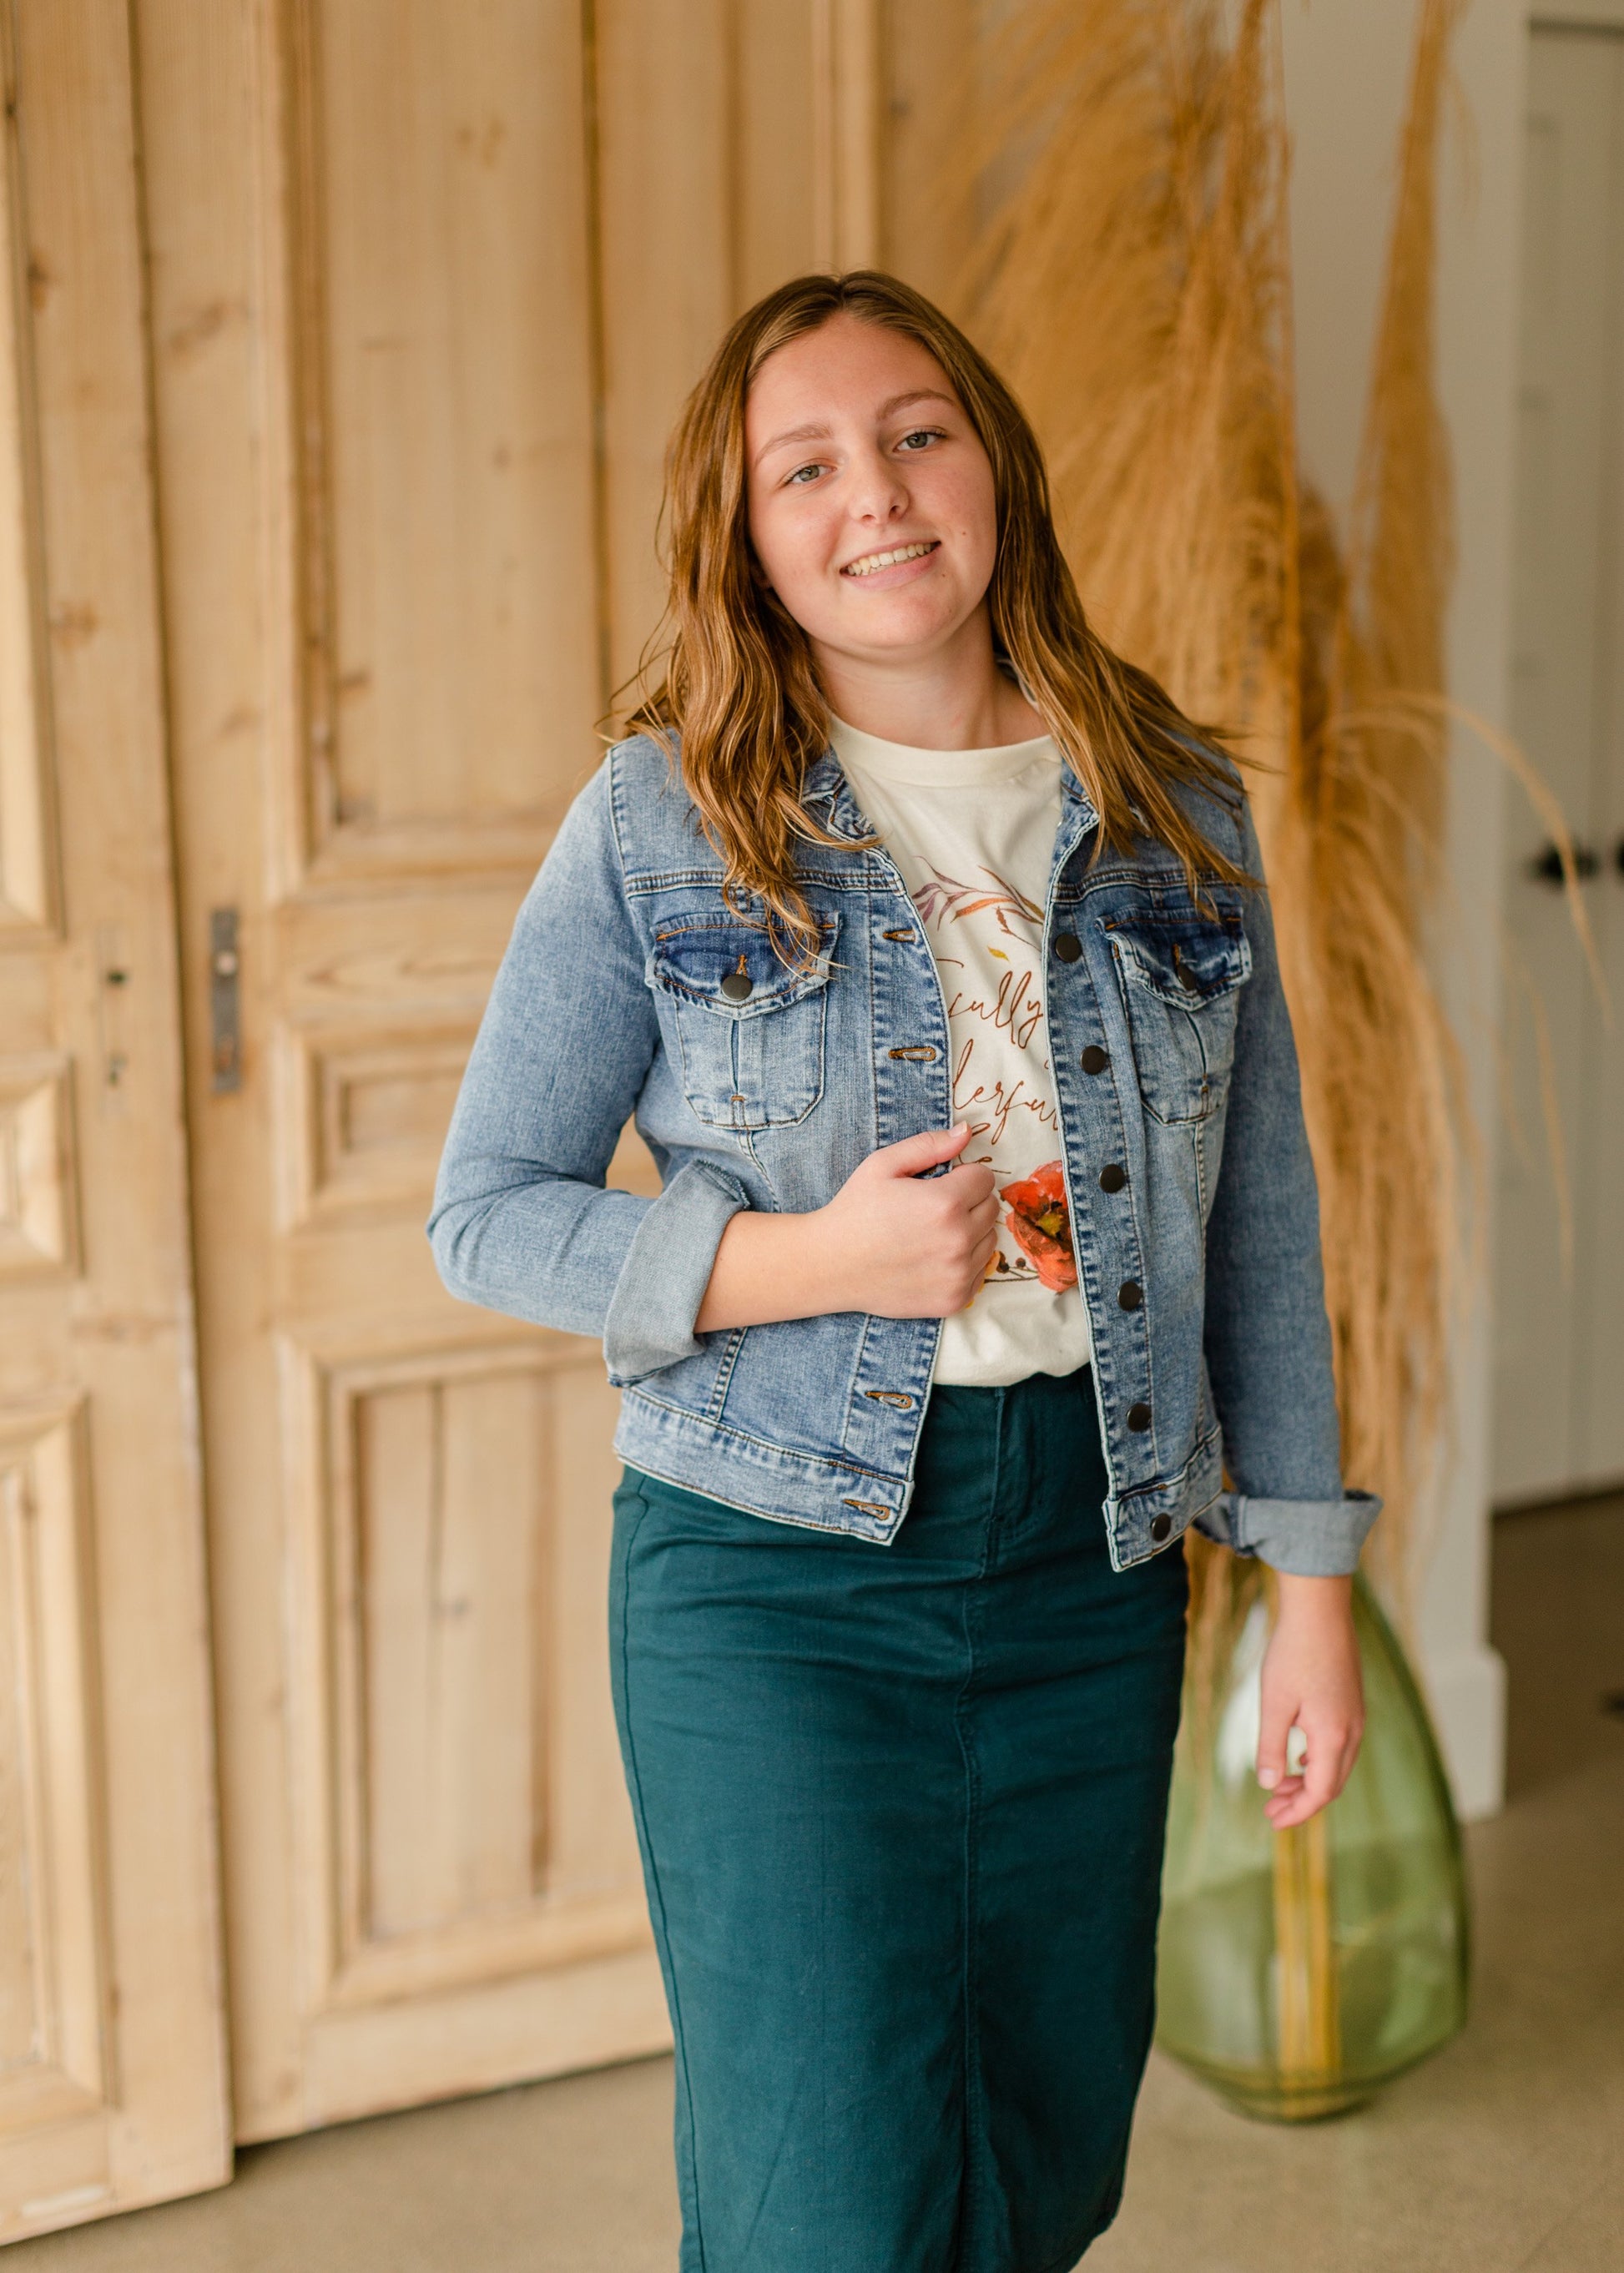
[(634, 1782), (975, 2089)]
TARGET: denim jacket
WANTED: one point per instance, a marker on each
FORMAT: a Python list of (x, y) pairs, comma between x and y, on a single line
[(623, 991)]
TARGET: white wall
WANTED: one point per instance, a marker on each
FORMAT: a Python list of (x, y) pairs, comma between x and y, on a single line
[(1346, 67)]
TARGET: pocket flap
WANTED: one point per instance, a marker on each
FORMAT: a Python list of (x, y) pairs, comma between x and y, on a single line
[(1186, 963), (731, 966)]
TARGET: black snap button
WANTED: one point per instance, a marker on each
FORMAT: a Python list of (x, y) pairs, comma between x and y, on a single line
[(1130, 1294), (1068, 947), (1160, 1526), (1095, 1059), (1113, 1177), (736, 987), (1138, 1419)]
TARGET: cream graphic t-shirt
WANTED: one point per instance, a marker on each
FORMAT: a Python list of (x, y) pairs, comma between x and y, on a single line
[(973, 835)]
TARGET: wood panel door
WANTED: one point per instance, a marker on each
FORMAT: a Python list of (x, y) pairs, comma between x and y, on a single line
[(112, 2079), (1560, 1270), (428, 282)]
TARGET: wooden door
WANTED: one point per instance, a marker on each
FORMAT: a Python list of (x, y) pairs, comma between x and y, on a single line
[(112, 2082), (428, 282), (1560, 1271)]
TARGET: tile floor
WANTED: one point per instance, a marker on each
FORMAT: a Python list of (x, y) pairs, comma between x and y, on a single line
[(1504, 2154)]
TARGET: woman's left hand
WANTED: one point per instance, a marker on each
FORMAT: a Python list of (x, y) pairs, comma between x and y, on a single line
[(1310, 1682)]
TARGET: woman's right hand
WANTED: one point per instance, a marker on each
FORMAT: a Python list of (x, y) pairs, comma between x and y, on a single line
[(893, 1241), (906, 1245)]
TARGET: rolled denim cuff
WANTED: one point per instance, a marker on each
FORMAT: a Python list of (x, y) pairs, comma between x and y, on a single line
[(667, 1268), (1306, 1538)]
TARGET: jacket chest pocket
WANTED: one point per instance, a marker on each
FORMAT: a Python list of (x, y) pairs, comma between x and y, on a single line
[(1180, 977), (749, 1031)]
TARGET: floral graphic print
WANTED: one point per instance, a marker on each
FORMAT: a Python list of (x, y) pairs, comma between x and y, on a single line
[(972, 833), (1041, 1222), (940, 897), (993, 1028)]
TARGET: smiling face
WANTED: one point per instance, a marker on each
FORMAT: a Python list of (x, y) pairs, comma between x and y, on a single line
[(871, 501)]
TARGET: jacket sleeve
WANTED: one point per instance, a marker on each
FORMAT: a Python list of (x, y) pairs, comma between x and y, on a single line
[(521, 1221), (1267, 1334)]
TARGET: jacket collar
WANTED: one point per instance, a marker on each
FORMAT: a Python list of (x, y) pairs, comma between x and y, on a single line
[(826, 793), (825, 790)]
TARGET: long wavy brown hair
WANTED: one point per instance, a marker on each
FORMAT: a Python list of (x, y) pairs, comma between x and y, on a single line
[(740, 711)]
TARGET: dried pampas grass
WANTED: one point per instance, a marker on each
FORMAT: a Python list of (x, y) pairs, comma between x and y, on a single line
[(1133, 282)]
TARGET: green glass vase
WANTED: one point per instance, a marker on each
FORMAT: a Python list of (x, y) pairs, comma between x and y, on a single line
[(1300, 1970)]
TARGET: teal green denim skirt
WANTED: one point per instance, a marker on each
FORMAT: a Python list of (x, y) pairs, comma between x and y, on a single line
[(901, 1811)]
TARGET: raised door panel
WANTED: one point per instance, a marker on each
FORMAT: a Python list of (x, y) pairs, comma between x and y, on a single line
[(438, 337), (739, 143), (112, 2083), (52, 1959), (428, 284), (445, 1492)]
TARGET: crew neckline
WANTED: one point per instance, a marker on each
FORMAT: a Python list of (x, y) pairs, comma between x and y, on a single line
[(906, 763)]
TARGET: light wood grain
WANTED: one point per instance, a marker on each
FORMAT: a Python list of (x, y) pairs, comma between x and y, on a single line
[(428, 285), (420, 292), (112, 2082)]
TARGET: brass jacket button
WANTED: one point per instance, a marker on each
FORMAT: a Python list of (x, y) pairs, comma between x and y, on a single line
[(737, 986), (1068, 947), (1138, 1419), (1113, 1177), (1095, 1059), (1160, 1526), (1130, 1294)]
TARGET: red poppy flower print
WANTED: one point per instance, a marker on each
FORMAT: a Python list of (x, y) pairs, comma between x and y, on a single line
[(1041, 1220)]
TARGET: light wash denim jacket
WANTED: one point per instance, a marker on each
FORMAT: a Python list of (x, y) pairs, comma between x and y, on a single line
[(623, 991)]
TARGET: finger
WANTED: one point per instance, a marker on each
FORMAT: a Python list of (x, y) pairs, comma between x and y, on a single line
[(1299, 1807), (1297, 1797), (1321, 1772), (1274, 1728), (1286, 1814), (1350, 1753), (911, 1156), (1289, 1802), (980, 1264)]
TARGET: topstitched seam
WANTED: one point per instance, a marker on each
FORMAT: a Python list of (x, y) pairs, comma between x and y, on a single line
[(974, 2093), (634, 1779)]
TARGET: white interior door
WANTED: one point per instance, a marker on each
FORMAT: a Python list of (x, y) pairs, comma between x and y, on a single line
[(1560, 1285)]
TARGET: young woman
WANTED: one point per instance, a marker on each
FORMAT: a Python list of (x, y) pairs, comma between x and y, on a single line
[(924, 938)]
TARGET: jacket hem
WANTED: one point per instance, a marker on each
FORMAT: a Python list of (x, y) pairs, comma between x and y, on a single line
[(824, 1493), (759, 1478), (1182, 1499)]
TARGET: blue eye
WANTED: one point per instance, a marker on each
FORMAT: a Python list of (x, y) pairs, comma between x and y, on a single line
[(920, 434), (800, 470)]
